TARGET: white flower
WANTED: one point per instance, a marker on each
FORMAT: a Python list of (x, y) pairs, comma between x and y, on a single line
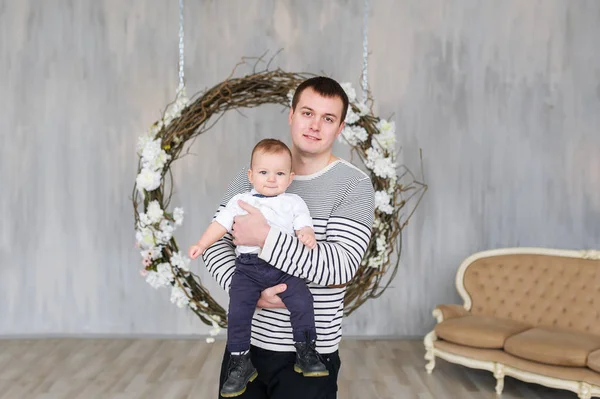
[(147, 180), (216, 328), (351, 116), (144, 220), (382, 202), (381, 244), (166, 231), (386, 127), (151, 150), (156, 280), (386, 138), (174, 109), (178, 216), (383, 167), (193, 305), (377, 223), (363, 108), (180, 261), (182, 99), (143, 142), (354, 134), (179, 297), (210, 340), (158, 162), (153, 156), (154, 212), (375, 262), (165, 271), (145, 238), (290, 96), (350, 92), (152, 253), (168, 118)]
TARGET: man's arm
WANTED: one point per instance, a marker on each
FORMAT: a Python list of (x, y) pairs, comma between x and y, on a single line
[(336, 260), (220, 257)]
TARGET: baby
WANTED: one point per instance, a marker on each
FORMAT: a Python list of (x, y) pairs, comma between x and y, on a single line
[(270, 174)]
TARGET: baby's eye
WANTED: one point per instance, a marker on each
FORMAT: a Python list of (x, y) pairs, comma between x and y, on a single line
[(280, 174), (263, 172)]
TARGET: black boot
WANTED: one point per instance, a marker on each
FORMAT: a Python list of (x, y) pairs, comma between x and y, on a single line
[(308, 361), (240, 372)]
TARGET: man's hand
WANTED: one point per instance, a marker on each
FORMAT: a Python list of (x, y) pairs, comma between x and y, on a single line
[(269, 298), (250, 230), (306, 235)]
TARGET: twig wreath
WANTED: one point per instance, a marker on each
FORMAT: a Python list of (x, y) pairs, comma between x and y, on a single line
[(371, 138)]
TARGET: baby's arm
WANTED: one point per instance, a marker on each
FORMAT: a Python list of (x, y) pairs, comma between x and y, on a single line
[(213, 233), (306, 235), (217, 229)]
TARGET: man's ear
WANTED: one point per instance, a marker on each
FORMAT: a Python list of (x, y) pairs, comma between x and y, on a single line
[(250, 176), (342, 125), (290, 115)]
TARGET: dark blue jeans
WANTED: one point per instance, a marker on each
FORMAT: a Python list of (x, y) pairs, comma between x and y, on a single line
[(252, 275)]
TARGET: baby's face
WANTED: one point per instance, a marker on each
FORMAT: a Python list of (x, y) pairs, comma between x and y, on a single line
[(271, 173)]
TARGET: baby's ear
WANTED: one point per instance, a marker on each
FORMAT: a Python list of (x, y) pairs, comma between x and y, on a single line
[(250, 175)]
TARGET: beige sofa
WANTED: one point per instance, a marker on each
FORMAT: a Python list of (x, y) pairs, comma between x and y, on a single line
[(529, 313)]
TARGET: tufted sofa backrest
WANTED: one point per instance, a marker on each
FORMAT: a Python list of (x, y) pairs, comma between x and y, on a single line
[(542, 290)]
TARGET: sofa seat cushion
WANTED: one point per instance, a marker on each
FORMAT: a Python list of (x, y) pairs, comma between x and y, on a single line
[(593, 361), (479, 331), (553, 346)]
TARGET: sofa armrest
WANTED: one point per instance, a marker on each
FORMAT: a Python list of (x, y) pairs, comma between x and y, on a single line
[(445, 312)]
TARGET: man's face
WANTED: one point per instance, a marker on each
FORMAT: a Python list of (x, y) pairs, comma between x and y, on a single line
[(315, 123), (271, 173)]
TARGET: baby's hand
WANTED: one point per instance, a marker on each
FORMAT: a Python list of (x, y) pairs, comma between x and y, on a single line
[(195, 251), (306, 236)]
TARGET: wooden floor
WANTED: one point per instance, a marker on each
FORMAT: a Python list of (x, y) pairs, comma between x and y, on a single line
[(178, 369)]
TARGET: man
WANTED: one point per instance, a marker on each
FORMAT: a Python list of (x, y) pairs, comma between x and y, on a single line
[(341, 202)]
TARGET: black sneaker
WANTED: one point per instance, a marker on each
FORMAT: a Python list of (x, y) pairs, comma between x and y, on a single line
[(308, 361), (240, 372)]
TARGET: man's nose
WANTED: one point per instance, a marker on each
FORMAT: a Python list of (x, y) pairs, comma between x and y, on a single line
[(316, 124)]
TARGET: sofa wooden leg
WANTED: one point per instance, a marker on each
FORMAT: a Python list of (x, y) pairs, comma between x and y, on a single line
[(585, 391), (499, 374), (429, 355)]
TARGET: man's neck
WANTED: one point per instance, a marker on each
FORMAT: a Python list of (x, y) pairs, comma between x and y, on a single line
[(304, 165)]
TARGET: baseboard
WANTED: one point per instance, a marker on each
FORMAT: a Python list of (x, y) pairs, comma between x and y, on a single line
[(220, 337)]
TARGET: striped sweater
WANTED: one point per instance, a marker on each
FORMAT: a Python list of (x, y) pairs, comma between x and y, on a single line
[(341, 202)]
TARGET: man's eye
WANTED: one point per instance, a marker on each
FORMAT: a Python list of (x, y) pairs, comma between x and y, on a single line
[(329, 120), (306, 113)]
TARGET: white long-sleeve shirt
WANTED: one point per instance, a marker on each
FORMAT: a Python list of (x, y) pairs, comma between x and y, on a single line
[(287, 212), (341, 202)]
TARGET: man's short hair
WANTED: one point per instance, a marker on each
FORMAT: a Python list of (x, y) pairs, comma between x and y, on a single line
[(270, 146), (326, 87)]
